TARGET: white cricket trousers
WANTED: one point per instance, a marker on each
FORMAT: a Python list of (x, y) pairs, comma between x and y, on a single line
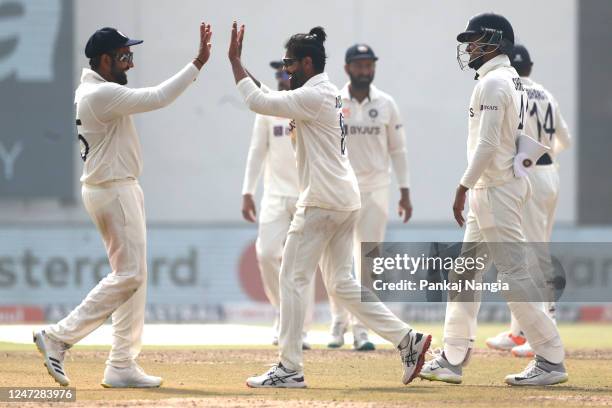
[(538, 221), (117, 210), (274, 220), (495, 216), (371, 226), (324, 237)]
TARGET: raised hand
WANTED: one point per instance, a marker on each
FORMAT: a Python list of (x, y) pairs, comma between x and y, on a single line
[(235, 48), (205, 44)]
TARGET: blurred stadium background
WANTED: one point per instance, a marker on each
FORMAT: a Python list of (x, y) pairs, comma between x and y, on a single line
[(201, 253)]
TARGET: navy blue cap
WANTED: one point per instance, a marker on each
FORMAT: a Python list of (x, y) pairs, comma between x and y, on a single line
[(359, 51), (107, 39), (519, 57), (276, 64)]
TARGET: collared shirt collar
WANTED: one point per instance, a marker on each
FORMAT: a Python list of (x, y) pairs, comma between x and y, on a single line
[(317, 79), (91, 76), (497, 61), (346, 93)]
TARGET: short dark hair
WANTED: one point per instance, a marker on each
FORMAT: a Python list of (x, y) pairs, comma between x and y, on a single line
[(309, 45), (94, 63)]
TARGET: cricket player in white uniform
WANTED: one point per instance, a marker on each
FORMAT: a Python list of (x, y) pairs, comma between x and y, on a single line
[(376, 141), (112, 158), (544, 123), (497, 197), (271, 150), (322, 230)]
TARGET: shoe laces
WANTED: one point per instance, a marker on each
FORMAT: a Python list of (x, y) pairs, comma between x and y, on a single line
[(63, 349), (532, 367), (272, 369), (435, 353)]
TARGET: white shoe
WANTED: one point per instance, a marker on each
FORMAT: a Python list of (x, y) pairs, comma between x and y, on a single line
[(337, 335), (523, 350), (412, 352), (278, 377), (53, 352), (539, 372), (362, 342), (439, 369), (129, 377), (505, 341)]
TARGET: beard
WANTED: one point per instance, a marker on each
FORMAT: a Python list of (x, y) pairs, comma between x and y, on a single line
[(476, 63), (297, 80), (361, 81), (119, 76)]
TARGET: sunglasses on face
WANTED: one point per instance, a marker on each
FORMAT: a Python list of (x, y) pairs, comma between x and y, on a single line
[(125, 57), (287, 62)]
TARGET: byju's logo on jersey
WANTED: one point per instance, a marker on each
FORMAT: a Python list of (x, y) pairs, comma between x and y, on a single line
[(488, 107)]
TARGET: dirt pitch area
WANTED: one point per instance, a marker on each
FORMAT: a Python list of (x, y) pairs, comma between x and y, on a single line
[(215, 377)]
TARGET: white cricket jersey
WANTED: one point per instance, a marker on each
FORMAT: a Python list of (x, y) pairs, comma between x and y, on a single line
[(497, 108), (110, 147), (543, 120), (271, 149), (325, 175), (375, 139)]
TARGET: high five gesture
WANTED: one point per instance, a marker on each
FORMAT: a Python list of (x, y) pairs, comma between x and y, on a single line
[(205, 46)]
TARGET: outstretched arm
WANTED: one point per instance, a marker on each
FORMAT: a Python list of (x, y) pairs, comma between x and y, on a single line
[(117, 100)]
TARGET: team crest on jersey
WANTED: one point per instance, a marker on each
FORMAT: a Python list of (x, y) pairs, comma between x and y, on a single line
[(346, 112), (373, 113)]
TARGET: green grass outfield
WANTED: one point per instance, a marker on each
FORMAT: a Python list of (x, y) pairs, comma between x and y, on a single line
[(215, 376), (575, 336)]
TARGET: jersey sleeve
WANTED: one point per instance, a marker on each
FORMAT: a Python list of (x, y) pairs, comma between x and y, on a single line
[(563, 138), (115, 100), (396, 142), (302, 104), (257, 155), (494, 96)]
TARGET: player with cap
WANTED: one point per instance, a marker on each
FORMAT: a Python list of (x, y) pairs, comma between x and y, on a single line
[(544, 123), (271, 150), (112, 163), (375, 141), (322, 229), (496, 116)]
